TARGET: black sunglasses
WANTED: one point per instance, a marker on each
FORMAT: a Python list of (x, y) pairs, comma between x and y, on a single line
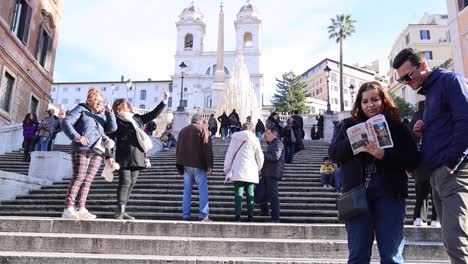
[(408, 77)]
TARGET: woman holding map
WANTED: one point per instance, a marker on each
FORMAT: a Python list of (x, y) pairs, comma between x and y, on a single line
[(375, 149)]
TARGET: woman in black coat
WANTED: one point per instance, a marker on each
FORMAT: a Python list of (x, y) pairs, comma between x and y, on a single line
[(129, 150), (384, 172)]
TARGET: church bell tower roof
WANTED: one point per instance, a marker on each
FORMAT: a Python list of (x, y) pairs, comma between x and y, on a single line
[(248, 10), (192, 11)]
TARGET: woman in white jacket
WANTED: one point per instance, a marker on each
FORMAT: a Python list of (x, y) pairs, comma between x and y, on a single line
[(243, 162)]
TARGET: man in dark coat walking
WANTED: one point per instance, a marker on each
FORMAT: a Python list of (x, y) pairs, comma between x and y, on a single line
[(271, 173)]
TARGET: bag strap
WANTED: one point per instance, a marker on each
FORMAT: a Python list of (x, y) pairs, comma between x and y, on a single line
[(234, 157), (369, 174), (97, 124)]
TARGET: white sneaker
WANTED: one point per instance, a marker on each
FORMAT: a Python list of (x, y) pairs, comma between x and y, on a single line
[(418, 222), (435, 223), (325, 186), (84, 214), (70, 213)]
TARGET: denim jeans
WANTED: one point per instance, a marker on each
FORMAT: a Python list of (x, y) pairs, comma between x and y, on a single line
[(224, 132), (290, 151), (338, 180), (199, 176), (384, 221), (259, 135), (42, 144)]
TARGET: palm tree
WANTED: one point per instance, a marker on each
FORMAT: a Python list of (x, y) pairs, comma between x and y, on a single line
[(341, 27)]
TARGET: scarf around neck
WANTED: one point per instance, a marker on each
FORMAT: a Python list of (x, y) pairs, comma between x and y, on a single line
[(144, 140)]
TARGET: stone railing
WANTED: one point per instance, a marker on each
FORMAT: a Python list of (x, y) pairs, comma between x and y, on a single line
[(11, 137)]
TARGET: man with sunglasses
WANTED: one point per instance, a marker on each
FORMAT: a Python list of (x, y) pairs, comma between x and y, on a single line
[(444, 150)]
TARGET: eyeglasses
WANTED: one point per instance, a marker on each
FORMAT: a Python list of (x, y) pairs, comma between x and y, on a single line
[(408, 77)]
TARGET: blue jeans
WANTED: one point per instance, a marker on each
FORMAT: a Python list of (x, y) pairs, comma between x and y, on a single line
[(290, 151), (259, 135), (42, 144), (224, 132), (338, 180), (384, 220), (199, 176)]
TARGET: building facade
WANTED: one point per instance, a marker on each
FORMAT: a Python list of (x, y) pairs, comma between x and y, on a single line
[(432, 38), (458, 27), (316, 82), (29, 31), (201, 65), (141, 94)]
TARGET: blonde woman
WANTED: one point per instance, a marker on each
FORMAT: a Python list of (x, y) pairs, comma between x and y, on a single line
[(85, 125), (244, 160)]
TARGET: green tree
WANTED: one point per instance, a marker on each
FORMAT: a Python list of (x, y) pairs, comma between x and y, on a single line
[(406, 109), (290, 94), (342, 26)]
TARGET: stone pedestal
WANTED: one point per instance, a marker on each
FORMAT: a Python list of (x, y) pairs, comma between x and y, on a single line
[(328, 126), (14, 184), (180, 120), (11, 137), (217, 92), (50, 165)]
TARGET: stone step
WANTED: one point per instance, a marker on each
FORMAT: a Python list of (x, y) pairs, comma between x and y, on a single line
[(197, 246), (177, 238), (196, 229), (13, 257)]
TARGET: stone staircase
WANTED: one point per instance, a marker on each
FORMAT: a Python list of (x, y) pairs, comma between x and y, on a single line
[(308, 234)]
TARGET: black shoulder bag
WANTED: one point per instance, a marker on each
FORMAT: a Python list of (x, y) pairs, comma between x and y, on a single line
[(354, 202)]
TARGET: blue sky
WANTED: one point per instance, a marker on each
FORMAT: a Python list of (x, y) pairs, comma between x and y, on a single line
[(100, 40)]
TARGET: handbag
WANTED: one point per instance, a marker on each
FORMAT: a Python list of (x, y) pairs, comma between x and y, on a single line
[(260, 192), (229, 173), (354, 202), (98, 147)]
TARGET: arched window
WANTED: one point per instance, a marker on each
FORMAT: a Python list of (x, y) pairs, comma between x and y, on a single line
[(188, 42), (143, 95), (142, 106), (212, 70), (248, 40)]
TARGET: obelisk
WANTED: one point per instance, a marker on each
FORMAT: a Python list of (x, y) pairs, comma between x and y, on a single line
[(219, 85)]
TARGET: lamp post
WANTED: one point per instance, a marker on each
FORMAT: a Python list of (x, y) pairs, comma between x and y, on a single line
[(129, 86), (327, 75), (351, 89), (180, 108)]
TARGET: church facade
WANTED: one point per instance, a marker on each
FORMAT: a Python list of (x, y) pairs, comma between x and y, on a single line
[(199, 75)]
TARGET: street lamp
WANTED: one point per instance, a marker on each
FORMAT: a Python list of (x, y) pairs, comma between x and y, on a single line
[(327, 75), (182, 71), (351, 89), (129, 86)]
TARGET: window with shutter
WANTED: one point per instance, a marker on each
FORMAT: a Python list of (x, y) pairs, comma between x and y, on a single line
[(6, 91), (22, 20), (44, 49)]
